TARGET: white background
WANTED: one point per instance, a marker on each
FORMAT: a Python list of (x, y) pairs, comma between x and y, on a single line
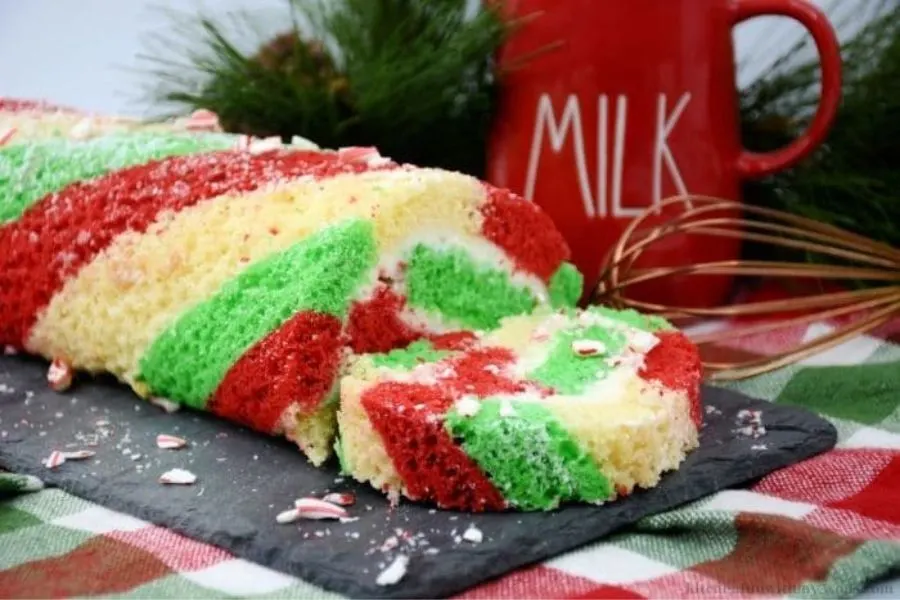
[(84, 52)]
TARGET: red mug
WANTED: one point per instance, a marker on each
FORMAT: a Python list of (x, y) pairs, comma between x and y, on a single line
[(634, 102)]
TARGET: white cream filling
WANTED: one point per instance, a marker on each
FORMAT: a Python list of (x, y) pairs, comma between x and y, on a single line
[(484, 253)]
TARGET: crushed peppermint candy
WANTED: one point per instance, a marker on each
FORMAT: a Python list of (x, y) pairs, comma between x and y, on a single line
[(394, 572), (287, 516), (59, 375), (389, 544), (55, 459), (9, 350), (302, 142), (7, 134), (468, 406), (82, 129), (492, 369), (202, 120), (506, 409), (341, 499), (642, 341), (749, 423), (170, 442), (78, 454), (165, 404), (358, 153), (588, 347), (473, 535), (759, 447), (5, 389), (254, 145), (313, 508), (178, 477), (259, 146), (446, 371)]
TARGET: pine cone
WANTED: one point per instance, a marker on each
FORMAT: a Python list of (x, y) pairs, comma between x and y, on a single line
[(291, 55)]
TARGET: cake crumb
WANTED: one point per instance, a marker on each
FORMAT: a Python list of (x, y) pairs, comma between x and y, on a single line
[(60, 375)]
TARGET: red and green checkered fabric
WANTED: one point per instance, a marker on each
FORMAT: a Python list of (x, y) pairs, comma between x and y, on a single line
[(825, 528)]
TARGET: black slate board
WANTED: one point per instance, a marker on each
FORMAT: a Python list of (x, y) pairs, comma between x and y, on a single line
[(245, 479)]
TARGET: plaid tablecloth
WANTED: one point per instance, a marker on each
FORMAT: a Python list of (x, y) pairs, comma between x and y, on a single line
[(828, 527)]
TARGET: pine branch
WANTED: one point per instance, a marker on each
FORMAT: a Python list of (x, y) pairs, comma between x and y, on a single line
[(853, 181), (413, 77)]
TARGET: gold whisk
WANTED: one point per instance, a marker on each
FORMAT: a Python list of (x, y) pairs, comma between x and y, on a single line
[(862, 260)]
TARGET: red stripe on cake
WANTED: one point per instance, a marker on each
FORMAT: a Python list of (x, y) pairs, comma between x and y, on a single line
[(64, 231), (296, 364), (675, 363), (524, 231), (20, 105), (375, 326), (453, 340), (431, 465), (480, 373)]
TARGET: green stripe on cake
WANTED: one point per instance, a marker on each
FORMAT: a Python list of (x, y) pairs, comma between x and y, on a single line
[(28, 172), (418, 352), (451, 283), (566, 286), (321, 273), (528, 455), (567, 372)]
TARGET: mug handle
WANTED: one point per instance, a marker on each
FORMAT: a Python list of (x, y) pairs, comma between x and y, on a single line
[(754, 164)]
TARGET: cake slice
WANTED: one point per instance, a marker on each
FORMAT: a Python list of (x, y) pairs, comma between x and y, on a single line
[(239, 281), (549, 408), (27, 121)]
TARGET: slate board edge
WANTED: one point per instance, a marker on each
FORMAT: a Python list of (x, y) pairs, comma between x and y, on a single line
[(556, 546), (822, 439)]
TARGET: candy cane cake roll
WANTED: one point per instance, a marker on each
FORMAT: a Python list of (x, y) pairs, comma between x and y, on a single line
[(29, 172), (24, 121), (238, 282), (552, 407)]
